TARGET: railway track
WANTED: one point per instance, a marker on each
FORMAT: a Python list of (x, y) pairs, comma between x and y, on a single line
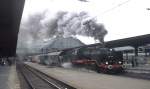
[(38, 80)]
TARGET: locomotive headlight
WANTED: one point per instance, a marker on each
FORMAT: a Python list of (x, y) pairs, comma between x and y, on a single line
[(119, 62), (106, 63)]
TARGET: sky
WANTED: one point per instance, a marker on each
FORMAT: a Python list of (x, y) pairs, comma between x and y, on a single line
[(121, 18)]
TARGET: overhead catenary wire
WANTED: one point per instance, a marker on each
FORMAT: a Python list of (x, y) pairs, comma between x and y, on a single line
[(112, 8), (117, 6)]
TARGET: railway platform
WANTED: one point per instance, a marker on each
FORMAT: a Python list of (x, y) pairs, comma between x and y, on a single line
[(145, 69), (8, 77), (91, 80)]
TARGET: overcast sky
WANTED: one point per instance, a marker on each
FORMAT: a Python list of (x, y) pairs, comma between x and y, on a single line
[(122, 18)]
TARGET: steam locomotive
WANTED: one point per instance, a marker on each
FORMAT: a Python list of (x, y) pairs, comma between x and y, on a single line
[(96, 58)]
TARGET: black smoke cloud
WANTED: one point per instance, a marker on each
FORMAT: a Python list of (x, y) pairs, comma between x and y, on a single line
[(65, 24), (71, 24), (83, 0)]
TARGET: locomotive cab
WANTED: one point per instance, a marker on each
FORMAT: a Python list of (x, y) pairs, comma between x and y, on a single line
[(112, 62)]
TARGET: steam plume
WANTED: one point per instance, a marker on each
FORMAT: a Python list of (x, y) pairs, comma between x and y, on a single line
[(72, 24), (65, 24)]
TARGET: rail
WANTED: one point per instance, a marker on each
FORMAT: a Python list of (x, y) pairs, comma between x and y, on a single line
[(39, 80)]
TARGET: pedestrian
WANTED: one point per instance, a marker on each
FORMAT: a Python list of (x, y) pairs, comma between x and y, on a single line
[(132, 62), (9, 61)]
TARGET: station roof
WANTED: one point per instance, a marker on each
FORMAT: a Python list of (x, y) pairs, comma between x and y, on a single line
[(131, 41), (10, 17)]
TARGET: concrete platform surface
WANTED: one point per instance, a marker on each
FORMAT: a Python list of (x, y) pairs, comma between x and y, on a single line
[(140, 69), (8, 78), (92, 80)]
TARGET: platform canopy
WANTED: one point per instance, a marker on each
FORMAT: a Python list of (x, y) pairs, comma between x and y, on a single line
[(131, 41), (10, 17)]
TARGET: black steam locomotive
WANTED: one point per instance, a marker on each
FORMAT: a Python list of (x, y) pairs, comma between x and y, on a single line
[(98, 58)]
